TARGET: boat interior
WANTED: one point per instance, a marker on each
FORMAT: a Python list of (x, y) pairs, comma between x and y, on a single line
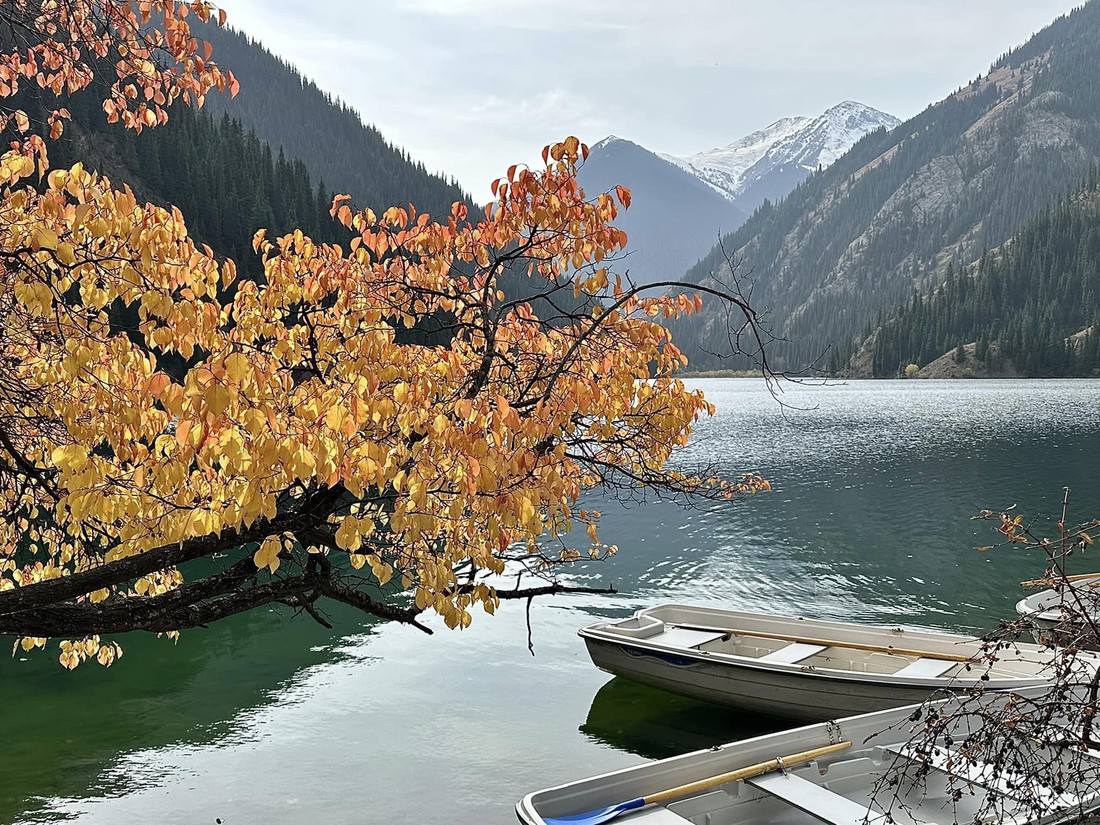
[(841, 793), (1024, 662)]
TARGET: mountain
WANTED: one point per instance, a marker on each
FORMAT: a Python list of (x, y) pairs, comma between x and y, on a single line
[(673, 218), (1030, 308), (768, 164), (901, 208), (289, 111), (682, 204), (229, 182)]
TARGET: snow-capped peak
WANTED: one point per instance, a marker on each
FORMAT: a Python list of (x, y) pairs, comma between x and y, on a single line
[(801, 142), (838, 129)]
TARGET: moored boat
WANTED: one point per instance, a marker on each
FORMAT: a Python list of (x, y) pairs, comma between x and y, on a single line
[(1059, 615), (833, 773), (802, 669)]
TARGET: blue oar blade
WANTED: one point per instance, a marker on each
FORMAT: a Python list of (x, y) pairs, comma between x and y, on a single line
[(598, 816)]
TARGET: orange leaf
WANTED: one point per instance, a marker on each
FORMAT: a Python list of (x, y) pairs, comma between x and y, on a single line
[(158, 382)]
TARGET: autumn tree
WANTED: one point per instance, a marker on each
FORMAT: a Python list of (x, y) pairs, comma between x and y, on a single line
[(313, 446)]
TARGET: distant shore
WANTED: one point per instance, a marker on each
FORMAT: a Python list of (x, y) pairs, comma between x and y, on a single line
[(719, 374)]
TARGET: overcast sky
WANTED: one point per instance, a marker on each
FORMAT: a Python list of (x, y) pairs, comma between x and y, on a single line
[(471, 86)]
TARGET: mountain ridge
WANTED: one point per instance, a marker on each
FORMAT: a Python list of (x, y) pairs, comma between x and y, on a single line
[(673, 214), (332, 139)]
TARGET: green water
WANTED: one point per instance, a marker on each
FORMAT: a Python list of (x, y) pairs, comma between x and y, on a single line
[(271, 719)]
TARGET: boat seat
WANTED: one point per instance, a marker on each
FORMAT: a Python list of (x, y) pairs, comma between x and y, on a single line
[(792, 653), (1010, 784), (926, 668), (683, 637), (813, 799)]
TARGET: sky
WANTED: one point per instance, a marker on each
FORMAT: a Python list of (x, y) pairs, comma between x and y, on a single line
[(471, 86)]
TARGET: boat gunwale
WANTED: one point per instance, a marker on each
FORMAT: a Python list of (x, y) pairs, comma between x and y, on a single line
[(835, 674)]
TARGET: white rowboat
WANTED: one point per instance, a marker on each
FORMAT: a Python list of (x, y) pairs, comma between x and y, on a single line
[(800, 668), (1064, 610), (838, 787)]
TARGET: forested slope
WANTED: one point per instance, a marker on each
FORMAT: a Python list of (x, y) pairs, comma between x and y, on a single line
[(226, 181), (288, 110), (1037, 300), (271, 157)]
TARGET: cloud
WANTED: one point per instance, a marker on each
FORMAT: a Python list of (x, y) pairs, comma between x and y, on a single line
[(471, 86), (536, 15)]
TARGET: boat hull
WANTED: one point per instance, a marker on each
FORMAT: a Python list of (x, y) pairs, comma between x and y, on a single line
[(802, 696)]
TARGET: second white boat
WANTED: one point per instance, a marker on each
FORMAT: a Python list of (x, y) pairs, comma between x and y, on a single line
[(1065, 615), (800, 668)]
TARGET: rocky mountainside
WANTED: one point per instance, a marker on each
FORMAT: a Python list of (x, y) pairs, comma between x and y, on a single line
[(674, 217), (768, 164), (901, 208)]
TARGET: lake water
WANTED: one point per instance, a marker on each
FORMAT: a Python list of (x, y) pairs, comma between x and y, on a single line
[(272, 719)]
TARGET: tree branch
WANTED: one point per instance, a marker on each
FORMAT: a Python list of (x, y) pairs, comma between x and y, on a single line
[(52, 591)]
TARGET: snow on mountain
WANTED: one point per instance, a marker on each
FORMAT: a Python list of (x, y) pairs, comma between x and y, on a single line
[(610, 140), (725, 167), (771, 161)]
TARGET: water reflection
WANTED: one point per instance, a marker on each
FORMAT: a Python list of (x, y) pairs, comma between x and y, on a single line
[(655, 724), (64, 729)]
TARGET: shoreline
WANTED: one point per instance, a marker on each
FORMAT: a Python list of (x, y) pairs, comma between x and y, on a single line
[(692, 375)]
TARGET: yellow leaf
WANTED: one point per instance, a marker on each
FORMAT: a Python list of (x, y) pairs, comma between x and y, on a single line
[(268, 554), (45, 238), (65, 254), (237, 367), (72, 457)]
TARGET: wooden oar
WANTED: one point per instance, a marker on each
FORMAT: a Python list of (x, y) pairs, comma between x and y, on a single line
[(1077, 578), (609, 813), (783, 637)]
